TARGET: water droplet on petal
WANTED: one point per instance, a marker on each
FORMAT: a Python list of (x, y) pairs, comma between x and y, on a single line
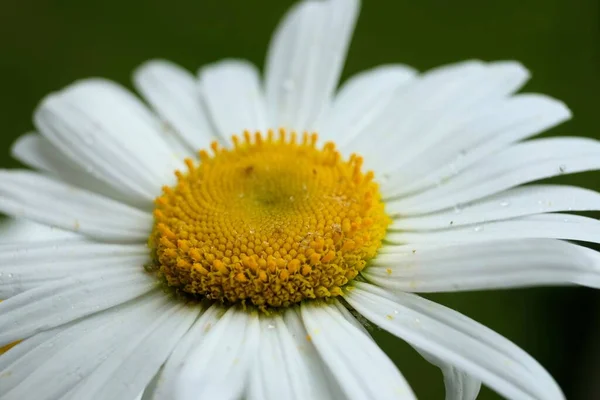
[(478, 228), (504, 203), (458, 208), (270, 326)]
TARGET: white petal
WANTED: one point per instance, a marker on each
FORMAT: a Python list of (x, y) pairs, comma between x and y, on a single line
[(150, 389), (173, 93), (428, 109), (233, 95), (556, 226), (459, 385), (457, 340), (58, 303), (516, 202), (29, 265), (167, 380), (37, 152), (45, 200), (346, 350), (323, 385), (18, 230), (109, 133), (218, 368), (66, 357), (477, 135), (136, 361), (489, 265), (521, 163), (361, 99), (279, 371), (22, 348), (305, 60)]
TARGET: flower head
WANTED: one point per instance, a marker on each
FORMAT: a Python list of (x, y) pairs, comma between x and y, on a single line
[(206, 265)]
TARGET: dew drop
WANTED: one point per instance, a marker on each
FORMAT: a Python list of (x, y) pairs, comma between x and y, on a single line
[(504, 203), (9, 275), (478, 228), (458, 208), (270, 326)]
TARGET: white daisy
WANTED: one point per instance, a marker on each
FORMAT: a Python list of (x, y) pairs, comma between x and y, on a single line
[(246, 276)]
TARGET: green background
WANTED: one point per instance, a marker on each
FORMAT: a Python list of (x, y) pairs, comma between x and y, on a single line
[(47, 44)]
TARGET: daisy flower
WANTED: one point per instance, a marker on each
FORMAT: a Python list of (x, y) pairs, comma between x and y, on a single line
[(251, 271)]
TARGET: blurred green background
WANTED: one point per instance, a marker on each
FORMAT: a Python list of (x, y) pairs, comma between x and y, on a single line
[(46, 44)]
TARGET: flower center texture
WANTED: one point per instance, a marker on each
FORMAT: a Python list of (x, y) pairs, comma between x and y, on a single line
[(272, 221)]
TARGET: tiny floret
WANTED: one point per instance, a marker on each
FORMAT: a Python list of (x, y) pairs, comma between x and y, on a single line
[(271, 221)]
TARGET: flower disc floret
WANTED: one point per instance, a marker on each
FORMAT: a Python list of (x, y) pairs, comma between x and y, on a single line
[(271, 221)]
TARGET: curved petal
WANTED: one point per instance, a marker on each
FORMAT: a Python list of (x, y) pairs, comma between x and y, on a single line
[(305, 60), (173, 93), (478, 135), (427, 110), (22, 348), (279, 371), (65, 357), (36, 151), (57, 303), (555, 226), (360, 100), (346, 350), (219, 366), (51, 202), (109, 133), (456, 340), (167, 380), (18, 230), (512, 203), (233, 96), (323, 384), (29, 265), (133, 365), (521, 163), (459, 385), (489, 265)]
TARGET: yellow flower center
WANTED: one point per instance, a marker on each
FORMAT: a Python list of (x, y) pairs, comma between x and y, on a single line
[(270, 222)]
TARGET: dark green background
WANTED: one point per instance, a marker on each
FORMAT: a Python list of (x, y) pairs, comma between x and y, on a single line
[(47, 44)]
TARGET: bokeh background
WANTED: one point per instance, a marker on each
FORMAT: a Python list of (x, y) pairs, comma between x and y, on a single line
[(46, 44)]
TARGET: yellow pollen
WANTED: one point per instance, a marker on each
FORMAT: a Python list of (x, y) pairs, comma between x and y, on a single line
[(272, 221)]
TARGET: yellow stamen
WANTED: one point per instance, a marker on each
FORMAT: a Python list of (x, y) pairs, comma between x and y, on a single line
[(272, 221)]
